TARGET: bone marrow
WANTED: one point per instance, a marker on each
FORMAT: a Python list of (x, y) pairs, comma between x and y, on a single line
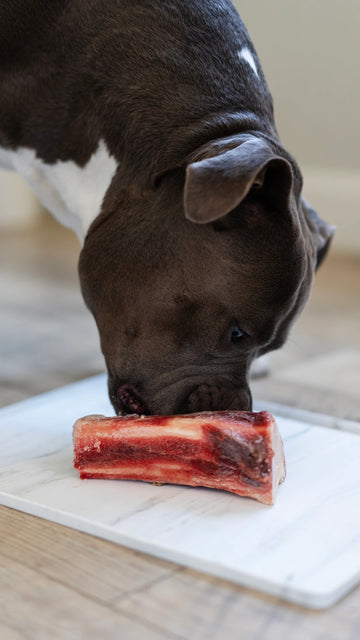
[(237, 451)]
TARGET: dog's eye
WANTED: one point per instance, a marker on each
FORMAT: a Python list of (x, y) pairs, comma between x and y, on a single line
[(236, 334)]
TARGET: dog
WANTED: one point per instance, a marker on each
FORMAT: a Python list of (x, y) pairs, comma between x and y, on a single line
[(148, 128)]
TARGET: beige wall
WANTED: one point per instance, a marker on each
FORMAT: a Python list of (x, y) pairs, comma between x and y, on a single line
[(310, 53)]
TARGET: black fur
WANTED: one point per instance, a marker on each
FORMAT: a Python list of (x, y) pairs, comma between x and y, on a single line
[(203, 226)]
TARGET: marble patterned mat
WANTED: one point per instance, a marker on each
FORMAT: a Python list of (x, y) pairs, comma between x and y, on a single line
[(305, 549)]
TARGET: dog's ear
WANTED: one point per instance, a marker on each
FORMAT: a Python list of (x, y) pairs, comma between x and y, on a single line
[(322, 232), (214, 186)]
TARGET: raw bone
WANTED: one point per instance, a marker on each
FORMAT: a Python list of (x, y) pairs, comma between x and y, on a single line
[(238, 451)]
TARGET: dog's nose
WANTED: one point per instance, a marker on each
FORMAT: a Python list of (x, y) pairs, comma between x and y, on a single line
[(129, 400)]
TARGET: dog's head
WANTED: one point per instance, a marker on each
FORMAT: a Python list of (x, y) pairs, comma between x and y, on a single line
[(193, 279)]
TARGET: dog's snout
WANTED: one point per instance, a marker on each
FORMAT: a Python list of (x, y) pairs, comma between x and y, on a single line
[(207, 397), (129, 400)]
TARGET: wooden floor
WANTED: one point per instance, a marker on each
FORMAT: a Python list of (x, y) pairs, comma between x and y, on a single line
[(59, 583)]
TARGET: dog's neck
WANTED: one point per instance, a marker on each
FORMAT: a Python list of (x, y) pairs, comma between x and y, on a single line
[(61, 113), (73, 194)]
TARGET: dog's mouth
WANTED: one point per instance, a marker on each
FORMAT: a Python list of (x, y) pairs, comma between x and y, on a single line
[(204, 397), (213, 397)]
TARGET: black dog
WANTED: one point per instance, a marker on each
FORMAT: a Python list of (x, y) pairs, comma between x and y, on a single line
[(147, 126)]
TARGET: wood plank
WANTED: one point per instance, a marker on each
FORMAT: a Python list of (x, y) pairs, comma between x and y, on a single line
[(200, 607), (100, 569), (308, 397), (39, 608)]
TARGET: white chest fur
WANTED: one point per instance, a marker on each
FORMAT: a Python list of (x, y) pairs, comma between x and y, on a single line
[(73, 194)]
